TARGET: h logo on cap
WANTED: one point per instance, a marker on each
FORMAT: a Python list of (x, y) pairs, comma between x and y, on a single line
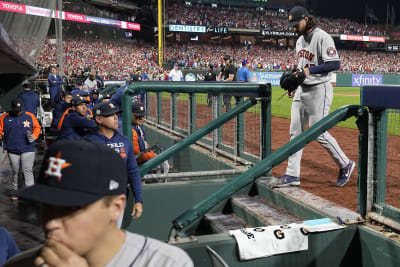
[(56, 164)]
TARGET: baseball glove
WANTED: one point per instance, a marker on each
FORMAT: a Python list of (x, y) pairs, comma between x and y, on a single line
[(292, 78)]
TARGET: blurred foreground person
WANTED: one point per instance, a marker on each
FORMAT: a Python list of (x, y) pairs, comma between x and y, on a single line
[(81, 202)]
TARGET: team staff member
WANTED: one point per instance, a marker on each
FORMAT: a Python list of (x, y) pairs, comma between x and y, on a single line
[(30, 99), (227, 74), (19, 130), (317, 55), (81, 202), (60, 108), (106, 118), (90, 82), (175, 74), (55, 82), (77, 122), (94, 98), (210, 77), (244, 72)]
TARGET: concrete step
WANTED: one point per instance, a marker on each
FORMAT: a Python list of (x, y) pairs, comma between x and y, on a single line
[(305, 204), (257, 211), (224, 222)]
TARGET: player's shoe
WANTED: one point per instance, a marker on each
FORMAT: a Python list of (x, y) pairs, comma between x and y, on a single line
[(345, 173), (286, 180)]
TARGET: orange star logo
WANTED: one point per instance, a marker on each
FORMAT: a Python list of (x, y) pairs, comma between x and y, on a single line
[(56, 165)]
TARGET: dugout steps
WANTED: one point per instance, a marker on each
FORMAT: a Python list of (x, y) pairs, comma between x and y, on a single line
[(277, 206)]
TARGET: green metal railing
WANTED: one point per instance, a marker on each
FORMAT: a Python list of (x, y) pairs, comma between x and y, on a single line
[(110, 89), (261, 91), (224, 193)]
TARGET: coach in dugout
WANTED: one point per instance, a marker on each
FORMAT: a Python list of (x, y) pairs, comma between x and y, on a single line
[(227, 74), (19, 130), (30, 99), (77, 122), (55, 82), (106, 118)]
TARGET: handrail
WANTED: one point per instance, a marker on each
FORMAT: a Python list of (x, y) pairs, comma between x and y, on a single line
[(265, 165), (233, 88), (166, 154)]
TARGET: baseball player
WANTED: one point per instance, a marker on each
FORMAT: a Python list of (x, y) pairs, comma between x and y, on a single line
[(317, 58)]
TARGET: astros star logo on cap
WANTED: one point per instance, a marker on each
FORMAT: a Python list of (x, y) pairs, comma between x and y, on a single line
[(56, 164)]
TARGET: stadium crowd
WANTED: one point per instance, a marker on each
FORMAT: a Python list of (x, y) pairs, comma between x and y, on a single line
[(249, 17), (117, 60)]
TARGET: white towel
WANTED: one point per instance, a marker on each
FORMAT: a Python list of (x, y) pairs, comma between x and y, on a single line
[(267, 241)]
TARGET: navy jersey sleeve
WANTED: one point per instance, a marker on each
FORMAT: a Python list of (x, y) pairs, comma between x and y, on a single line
[(82, 122), (133, 174), (117, 97)]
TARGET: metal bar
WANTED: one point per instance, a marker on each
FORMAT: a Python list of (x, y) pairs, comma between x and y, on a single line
[(193, 174), (371, 158), (159, 107), (215, 134), (166, 154), (225, 192), (199, 143), (192, 113), (381, 149), (362, 124), (384, 220)]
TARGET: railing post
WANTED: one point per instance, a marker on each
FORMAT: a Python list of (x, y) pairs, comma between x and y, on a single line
[(239, 131), (215, 135), (173, 111), (192, 113), (159, 107), (381, 149)]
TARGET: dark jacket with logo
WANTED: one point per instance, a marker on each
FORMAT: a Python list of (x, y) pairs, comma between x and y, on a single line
[(124, 148), (16, 129), (30, 100), (75, 126)]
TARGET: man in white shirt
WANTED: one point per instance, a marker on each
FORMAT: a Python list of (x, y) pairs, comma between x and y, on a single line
[(90, 82), (175, 74)]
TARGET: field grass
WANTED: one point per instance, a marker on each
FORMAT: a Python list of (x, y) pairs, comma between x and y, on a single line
[(281, 108)]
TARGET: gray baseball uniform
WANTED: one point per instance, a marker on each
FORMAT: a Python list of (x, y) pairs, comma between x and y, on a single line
[(313, 99)]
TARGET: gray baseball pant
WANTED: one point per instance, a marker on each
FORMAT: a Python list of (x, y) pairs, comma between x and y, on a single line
[(25, 160)]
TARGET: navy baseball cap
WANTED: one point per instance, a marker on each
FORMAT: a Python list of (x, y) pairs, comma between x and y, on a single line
[(17, 105), (95, 91), (138, 109), (244, 62), (78, 99), (106, 96), (68, 179), (105, 109), (296, 14)]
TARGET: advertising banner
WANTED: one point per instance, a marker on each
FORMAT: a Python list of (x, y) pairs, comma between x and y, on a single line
[(6, 6), (187, 28), (361, 38), (38, 11), (269, 32), (75, 17), (133, 26), (366, 79), (270, 77)]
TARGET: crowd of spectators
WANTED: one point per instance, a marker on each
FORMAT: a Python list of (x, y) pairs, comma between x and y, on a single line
[(117, 60), (250, 17)]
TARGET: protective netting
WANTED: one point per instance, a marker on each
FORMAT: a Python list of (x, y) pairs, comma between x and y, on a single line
[(393, 158), (27, 33)]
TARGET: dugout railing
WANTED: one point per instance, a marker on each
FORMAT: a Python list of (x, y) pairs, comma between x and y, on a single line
[(382, 155), (255, 92)]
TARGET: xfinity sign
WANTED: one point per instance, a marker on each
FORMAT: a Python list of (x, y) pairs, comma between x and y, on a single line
[(187, 28), (366, 79)]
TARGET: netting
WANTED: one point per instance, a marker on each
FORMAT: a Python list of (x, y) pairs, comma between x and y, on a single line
[(27, 32), (393, 158)]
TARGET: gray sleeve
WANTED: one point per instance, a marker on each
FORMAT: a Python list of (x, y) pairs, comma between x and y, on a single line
[(327, 48)]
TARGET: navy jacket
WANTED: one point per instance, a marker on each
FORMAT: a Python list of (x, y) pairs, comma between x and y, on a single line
[(55, 82), (30, 100), (58, 112), (124, 148), (15, 131), (75, 126), (8, 246)]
